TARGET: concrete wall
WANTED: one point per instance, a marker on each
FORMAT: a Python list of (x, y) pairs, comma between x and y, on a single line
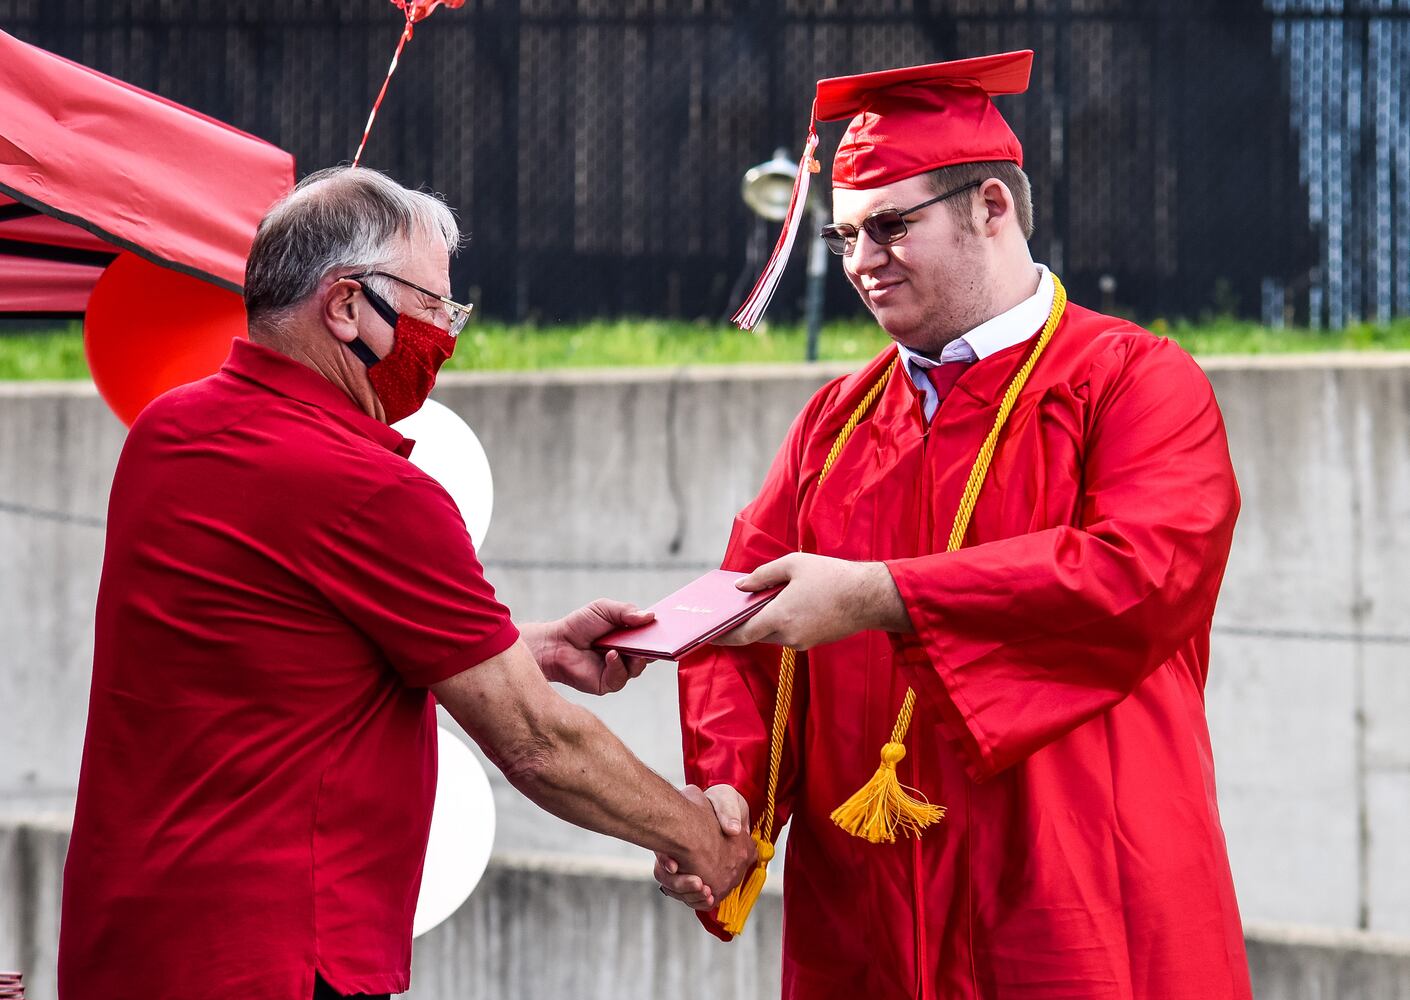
[(551, 927), (624, 483)]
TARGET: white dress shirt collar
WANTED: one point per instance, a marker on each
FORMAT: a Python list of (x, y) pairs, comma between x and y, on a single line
[(990, 337)]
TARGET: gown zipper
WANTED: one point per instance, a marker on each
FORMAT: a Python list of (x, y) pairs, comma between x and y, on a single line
[(922, 991)]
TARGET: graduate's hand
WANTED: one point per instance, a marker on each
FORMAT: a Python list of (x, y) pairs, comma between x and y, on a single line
[(732, 814), (565, 654), (823, 600)]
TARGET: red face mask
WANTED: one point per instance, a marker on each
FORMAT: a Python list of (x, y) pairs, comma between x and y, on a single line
[(404, 377)]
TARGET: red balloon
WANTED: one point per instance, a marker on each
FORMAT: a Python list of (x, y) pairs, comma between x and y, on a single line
[(417, 10), (149, 329)]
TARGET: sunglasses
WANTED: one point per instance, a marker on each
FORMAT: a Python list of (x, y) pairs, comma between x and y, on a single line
[(457, 315), (884, 227)]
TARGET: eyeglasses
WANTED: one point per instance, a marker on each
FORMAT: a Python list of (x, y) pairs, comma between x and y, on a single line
[(457, 315), (884, 227)]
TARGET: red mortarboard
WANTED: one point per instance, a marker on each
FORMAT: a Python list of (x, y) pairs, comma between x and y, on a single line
[(909, 121), (904, 122)]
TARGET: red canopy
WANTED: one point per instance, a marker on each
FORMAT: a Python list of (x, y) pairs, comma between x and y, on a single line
[(90, 165), (47, 266)]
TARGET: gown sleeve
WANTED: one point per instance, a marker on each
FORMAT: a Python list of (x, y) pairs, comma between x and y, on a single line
[(1021, 640)]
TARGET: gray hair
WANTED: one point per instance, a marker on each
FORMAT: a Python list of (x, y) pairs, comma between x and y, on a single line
[(340, 217)]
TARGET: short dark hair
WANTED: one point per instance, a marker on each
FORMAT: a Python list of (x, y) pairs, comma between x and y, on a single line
[(957, 176)]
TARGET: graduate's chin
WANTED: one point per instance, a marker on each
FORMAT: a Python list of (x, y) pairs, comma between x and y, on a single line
[(900, 324)]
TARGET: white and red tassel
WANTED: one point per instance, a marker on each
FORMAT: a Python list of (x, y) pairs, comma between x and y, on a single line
[(752, 311)]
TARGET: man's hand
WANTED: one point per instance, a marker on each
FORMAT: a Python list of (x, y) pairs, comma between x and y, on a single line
[(823, 600), (732, 814), (564, 650)]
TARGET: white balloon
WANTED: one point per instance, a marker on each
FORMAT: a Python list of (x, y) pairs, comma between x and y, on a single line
[(448, 451), (462, 834)]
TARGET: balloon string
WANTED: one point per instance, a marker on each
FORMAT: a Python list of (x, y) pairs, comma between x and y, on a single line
[(372, 115)]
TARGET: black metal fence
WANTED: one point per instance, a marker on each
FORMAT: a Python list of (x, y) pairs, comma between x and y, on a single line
[(1188, 156)]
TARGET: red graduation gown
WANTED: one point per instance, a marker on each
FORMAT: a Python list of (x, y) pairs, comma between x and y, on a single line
[(1060, 659)]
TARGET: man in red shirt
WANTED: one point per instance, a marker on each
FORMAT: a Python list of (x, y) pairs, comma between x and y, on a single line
[(282, 594), (1002, 542)]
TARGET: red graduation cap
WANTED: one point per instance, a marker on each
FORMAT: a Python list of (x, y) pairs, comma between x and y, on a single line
[(905, 122)]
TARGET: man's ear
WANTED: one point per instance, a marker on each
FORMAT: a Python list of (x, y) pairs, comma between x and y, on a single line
[(995, 206), (339, 309)]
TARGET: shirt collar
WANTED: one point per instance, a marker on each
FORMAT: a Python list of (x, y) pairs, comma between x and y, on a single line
[(990, 337), (280, 373)]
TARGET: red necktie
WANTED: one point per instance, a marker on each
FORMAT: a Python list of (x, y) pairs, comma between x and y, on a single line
[(943, 378)]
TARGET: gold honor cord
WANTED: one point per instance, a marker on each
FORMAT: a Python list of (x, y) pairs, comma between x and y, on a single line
[(882, 806)]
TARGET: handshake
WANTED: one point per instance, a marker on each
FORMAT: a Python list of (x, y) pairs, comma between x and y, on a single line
[(705, 876)]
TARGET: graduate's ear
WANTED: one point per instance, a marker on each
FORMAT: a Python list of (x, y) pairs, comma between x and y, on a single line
[(994, 207), (339, 308)]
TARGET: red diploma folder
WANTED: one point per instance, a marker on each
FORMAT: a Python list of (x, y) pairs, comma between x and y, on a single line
[(691, 617)]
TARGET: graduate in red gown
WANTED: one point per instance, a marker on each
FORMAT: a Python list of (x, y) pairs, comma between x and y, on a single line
[(1052, 619)]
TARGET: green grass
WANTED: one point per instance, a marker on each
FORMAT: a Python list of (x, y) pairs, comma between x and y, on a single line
[(1233, 336), (58, 353), (610, 343), (42, 355)]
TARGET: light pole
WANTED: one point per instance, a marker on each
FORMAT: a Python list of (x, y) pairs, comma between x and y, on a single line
[(767, 189)]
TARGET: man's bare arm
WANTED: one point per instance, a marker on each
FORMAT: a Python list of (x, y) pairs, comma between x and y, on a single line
[(566, 761)]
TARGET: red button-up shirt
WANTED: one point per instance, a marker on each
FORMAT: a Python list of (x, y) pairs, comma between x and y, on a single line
[(279, 588)]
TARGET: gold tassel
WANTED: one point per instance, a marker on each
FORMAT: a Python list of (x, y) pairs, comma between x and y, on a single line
[(734, 909), (882, 806)]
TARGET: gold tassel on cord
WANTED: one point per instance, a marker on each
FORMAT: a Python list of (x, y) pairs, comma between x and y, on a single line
[(883, 805), (735, 908)]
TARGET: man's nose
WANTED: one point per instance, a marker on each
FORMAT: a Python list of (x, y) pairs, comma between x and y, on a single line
[(867, 254)]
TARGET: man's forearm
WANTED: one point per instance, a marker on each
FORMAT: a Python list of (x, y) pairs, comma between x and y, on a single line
[(579, 771), (563, 758)]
